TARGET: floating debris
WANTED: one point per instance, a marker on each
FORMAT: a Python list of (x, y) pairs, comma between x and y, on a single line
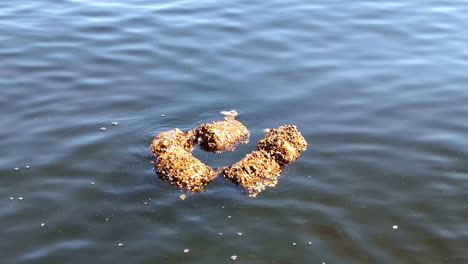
[(255, 172), (173, 138), (229, 217), (186, 251), (261, 168), (43, 224), (183, 196), (310, 243), (20, 198), (120, 244), (395, 227), (92, 183), (239, 234), (16, 169), (27, 167), (103, 129), (163, 115), (285, 144), (220, 234), (222, 135), (233, 257), (181, 168), (294, 243), (115, 123)]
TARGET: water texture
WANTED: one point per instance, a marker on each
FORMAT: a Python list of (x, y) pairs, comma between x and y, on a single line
[(378, 89)]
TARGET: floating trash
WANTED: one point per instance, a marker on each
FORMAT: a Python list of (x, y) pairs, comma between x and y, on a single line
[(395, 227), (186, 251), (120, 244), (16, 169), (222, 135), (285, 144), (256, 171), (27, 167), (173, 138), (181, 168), (183, 196), (103, 129), (43, 224), (233, 257), (115, 123)]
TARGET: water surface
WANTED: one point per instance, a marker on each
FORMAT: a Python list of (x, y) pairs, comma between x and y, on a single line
[(378, 89)]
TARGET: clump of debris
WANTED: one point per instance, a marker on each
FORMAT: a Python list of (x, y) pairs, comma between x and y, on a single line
[(256, 171)]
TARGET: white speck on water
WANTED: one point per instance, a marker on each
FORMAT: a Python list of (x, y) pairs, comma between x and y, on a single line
[(103, 129), (163, 115), (294, 243), (115, 123), (395, 227), (239, 233), (233, 257), (229, 217), (92, 183), (186, 251), (145, 202), (107, 219), (120, 244), (20, 198), (27, 167), (43, 224), (11, 198), (220, 234), (310, 243), (16, 169), (222, 207)]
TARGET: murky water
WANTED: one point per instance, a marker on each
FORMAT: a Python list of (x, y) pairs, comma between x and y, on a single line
[(378, 88)]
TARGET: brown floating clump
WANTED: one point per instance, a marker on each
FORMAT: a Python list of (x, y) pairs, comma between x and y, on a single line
[(261, 168), (181, 168), (285, 144), (255, 172), (222, 135), (174, 137)]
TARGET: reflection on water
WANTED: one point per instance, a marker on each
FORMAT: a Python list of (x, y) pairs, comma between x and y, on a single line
[(376, 88)]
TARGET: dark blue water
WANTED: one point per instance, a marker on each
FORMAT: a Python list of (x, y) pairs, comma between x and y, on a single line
[(378, 88)]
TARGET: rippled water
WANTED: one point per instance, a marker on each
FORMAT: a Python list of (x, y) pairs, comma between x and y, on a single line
[(378, 88)]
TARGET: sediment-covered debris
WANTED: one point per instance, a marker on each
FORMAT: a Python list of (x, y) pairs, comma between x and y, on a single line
[(180, 167), (261, 168), (285, 144), (171, 138), (222, 135), (255, 172)]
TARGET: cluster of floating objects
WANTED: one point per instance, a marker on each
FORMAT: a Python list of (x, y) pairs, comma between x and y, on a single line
[(256, 171)]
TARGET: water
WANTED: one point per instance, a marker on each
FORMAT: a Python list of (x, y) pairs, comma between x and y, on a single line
[(378, 88)]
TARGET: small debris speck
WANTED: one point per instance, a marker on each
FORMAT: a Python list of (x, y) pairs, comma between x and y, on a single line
[(233, 257), (220, 234), (107, 219), (229, 217), (145, 203), (11, 198), (103, 129), (92, 183), (20, 198), (27, 167), (310, 243), (120, 244), (186, 251), (115, 123), (183, 196), (239, 234), (16, 169), (294, 243), (163, 115), (395, 227), (43, 224)]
